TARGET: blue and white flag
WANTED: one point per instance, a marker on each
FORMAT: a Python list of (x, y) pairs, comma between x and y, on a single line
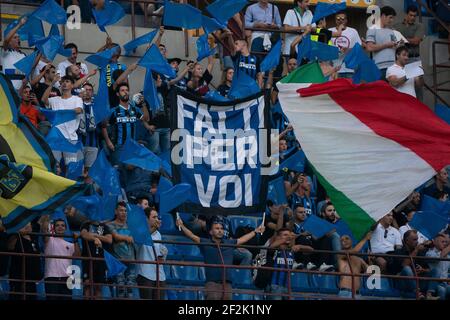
[(220, 149)]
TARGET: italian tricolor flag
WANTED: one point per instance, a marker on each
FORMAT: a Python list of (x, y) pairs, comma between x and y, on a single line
[(369, 145)]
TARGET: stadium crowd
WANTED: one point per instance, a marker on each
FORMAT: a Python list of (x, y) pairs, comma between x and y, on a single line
[(68, 85)]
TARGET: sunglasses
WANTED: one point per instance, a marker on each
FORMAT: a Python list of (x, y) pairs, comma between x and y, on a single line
[(385, 233)]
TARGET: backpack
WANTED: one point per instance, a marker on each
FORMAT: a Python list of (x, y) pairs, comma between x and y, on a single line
[(263, 277)]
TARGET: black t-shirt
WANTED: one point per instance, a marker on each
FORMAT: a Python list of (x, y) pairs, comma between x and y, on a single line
[(33, 269), (395, 264), (161, 118), (99, 228), (202, 88), (39, 90), (268, 233), (432, 190), (223, 90)]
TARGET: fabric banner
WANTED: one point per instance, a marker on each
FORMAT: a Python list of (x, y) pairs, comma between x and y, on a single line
[(221, 150)]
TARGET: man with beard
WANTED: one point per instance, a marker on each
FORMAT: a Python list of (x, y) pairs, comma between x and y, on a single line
[(123, 123), (218, 280)]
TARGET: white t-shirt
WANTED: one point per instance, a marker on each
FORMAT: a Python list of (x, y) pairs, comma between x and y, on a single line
[(407, 227), (69, 128), (380, 244), (58, 247), (147, 253), (7, 60), (348, 39), (63, 65), (399, 72), (291, 20)]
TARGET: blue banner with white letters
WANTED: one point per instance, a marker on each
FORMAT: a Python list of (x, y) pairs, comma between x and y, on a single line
[(222, 149)]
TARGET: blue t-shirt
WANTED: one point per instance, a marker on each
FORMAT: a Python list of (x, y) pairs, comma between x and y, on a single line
[(212, 256)]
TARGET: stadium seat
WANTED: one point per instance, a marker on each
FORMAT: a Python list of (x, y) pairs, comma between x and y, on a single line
[(169, 274), (242, 296), (40, 290), (241, 278), (180, 293), (238, 221), (300, 282), (187, 275), (190, 252), (201, 274), (386, 289), (325, 283)]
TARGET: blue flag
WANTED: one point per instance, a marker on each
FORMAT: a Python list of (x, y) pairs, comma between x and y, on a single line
[(213, 95), (135, 154), (33, 26), (431, 204), (317, 227), (211, 24), (35, 31), (138, 226), (150, 92), (164, 184), (50, 46), (428, 223), (106, 210), (223, 10), (295, 162), (442, 112), (327, 9), (87, 205), (51, 12), (113, 265), (181, 16), (105, 175), (9, 27), (276, 191), (101, 59), (243, 86), (165, 162), (111, 13), (313, 50), (272, 59), (203, 49), (54, 30), (139, 41), (154, 61), (57, 117), (75, 169), (58, 142), (26, 64), (365, 68), (101, 101), (175, 196)]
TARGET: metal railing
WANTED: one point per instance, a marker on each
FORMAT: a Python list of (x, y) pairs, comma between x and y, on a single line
[(292, 292)]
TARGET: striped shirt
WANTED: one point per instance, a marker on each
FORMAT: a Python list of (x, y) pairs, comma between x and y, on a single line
[(123, 123), (308, 204), (281, 257), (247, 64), (88, 128)]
